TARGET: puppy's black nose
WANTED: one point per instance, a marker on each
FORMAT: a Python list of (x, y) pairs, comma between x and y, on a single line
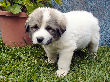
[(40, 39)]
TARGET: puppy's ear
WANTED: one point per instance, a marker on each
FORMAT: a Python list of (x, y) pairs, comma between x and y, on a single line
[(60, 31), (27, 27), (59, 20), (62, 27)]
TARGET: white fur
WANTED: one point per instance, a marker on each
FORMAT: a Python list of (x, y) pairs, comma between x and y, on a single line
[(46, 16), (41, 33), (82, 29)]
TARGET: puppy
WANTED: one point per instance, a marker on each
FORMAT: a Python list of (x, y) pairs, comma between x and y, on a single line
[(63, 33)]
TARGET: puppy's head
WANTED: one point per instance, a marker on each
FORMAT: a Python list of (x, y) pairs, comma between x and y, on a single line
[(45, 25)]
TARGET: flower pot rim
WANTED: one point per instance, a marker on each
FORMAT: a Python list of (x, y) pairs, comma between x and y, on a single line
[(6, 13)]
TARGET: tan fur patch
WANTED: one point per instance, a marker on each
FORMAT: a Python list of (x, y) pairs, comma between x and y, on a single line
[(36, 18)]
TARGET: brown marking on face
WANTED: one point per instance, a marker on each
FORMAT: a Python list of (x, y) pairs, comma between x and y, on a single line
[(34, 22), (58, 18), (36, 18), (56, 23)]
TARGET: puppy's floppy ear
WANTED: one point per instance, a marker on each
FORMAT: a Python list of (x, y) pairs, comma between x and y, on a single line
[(60, 31), (62, 27), (27, 27), (59, 20)]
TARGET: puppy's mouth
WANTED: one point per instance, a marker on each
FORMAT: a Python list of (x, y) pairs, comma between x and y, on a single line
[(49, 41), (43, 43)]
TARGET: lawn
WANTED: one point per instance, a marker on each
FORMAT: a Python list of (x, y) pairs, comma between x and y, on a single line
[(29, 65)]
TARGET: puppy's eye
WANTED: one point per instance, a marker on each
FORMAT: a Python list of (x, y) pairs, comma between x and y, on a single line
[(48, 28), (34, 28)]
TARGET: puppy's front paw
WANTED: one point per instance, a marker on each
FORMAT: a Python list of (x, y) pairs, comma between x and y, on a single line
[(94, 55), (61, 73), (51, 61)]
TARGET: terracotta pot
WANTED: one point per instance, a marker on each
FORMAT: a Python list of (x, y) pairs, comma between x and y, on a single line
[(13, 29)]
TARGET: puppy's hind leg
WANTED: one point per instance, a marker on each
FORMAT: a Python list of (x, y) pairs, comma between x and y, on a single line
[(93, 45)]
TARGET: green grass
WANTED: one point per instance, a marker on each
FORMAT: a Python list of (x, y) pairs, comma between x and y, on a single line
[(29, 65)]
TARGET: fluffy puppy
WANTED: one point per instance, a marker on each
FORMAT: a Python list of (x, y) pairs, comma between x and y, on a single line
[(63, 33)]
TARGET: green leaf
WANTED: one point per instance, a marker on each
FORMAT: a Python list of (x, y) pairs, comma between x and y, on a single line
[(30, 9), (15, 9), (40, 5), (3, 4), (0, 4), (59, 2)]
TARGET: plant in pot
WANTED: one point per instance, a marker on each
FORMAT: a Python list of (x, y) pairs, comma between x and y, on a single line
[(13, 14)]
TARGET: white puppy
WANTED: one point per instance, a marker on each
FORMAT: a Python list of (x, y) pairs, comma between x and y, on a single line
[(63, 33)]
